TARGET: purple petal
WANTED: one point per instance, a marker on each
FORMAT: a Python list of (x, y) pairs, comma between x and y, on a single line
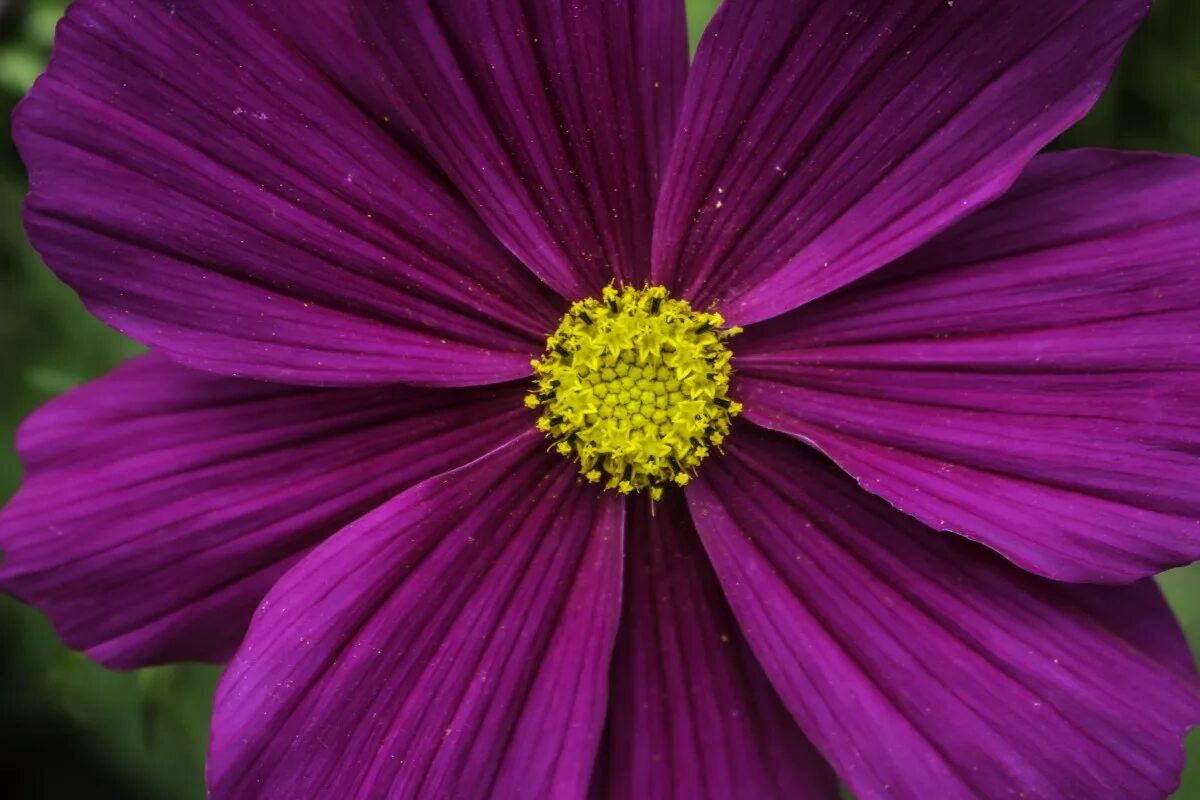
[(692, 715), (1138, 612), (161, 503), (553, 118), (923, 665), (822, 140), (1029, 379), (211, 192), (455, 643)]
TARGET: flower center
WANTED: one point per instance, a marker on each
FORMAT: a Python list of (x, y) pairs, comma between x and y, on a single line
[(634, 386)]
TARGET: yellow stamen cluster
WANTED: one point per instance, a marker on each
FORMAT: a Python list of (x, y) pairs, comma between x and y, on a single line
[(634, 386)]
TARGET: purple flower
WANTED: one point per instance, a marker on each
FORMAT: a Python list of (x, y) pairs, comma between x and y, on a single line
[(346, 228)]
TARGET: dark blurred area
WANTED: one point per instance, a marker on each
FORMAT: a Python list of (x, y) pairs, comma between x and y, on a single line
[(71, 729)]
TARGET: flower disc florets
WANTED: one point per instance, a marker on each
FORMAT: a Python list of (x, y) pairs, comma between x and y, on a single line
[(634, 386)]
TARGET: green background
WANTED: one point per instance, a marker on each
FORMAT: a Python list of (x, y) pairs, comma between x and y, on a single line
[(69, 728)]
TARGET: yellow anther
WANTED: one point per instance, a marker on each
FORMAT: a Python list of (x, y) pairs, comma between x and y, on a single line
[(634, 387)]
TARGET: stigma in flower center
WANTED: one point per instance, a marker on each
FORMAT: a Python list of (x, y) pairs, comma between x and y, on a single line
[(634, 387)]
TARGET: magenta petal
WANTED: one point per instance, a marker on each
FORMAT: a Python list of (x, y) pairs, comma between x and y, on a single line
[(1139, 613), (692, 715), (925, 666), (161, 503), (211, 192), (822, 139), (553, 118), (455, 643), (1029, 379)]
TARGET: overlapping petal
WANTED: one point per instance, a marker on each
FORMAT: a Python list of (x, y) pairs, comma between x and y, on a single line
[(1139, 613), (455, 643), (209, 191), (1028, 379), (822, 139), (923, 665), (161, 503), (553, 118), (692, 716)]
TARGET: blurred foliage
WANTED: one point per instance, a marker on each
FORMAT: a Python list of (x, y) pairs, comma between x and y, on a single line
[(699, 12), (69, 728)]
